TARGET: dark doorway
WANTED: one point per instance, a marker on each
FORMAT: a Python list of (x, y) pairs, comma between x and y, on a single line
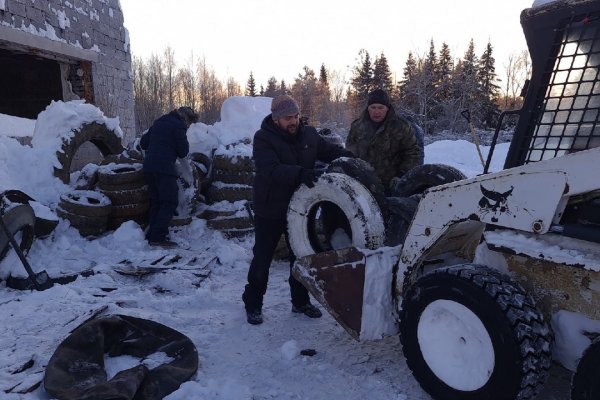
[(27, 84)]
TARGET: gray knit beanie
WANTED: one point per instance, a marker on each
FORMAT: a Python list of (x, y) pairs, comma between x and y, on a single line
[(283, 106)]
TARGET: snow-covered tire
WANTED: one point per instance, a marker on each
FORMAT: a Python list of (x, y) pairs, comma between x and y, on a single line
[(423, 177), (355, 201), (221, 224), (85, 225), (106, 140), (231, 193), (20, 221), (240, 177), (586, 380), (120, 174), (233, 163), (180, 221), (471, 333), (86, 203), (129, 210), (363, 172), (122, 197)]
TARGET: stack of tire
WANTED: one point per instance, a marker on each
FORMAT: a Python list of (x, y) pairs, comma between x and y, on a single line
[(86, 210), (232, 178), (124, 185)]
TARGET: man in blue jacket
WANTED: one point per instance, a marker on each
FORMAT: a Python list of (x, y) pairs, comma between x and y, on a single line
[(285, 151), (164, 142)]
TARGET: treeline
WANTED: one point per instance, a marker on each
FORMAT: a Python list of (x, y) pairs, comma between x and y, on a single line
[(435, 88)]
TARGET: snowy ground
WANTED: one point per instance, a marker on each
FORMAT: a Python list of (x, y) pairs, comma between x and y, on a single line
[(197, 290)]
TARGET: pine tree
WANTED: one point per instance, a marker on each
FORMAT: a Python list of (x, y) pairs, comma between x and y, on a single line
[(262, 91), (305, 90), (323, 103), (251, 86), (282, 88), (408, 86), (272, 89), (429, 83), (362, 81), (465, 88), (382, 76), (487, 78)]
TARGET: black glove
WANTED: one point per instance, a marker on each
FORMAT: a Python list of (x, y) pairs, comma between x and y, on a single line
[(309, 177)]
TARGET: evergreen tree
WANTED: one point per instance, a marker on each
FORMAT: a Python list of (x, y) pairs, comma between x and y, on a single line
[(323, 103), (272, 89), (362, 81), (282, 88), (382, 76), (323, 75), (429, 83), (251, 86), (408, 86), (262, 91), (305, 91), (465, 88), (487, 78)]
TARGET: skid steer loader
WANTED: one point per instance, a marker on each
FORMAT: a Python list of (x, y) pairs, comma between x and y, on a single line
[(486, 261)]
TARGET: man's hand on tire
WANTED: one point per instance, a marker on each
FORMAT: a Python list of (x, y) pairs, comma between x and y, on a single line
[(309, 177)]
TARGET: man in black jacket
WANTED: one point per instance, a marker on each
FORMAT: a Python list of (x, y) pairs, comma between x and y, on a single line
[(285, 151), (164, 142)]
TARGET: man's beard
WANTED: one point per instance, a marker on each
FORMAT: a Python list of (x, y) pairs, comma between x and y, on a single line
[(292, 129)]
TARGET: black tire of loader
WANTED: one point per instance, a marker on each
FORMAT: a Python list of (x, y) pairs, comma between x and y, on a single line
[(20, 218), (107, 141), (423, 177), (77, 203), (519, 334), (401, 211), (586, 380)]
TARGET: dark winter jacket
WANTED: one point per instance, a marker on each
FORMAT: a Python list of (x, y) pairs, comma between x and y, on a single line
[(391, 148), (279, 157), (164, 142)]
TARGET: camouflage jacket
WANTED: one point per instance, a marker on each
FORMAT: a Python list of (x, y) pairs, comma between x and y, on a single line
[(391, 149)]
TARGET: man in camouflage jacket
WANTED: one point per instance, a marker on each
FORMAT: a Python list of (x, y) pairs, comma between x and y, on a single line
[(385, 140)]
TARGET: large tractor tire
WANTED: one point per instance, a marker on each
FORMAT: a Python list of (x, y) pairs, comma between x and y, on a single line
[(423, 177), (106, 140), (586, 380), (471, 333), (363, 219)]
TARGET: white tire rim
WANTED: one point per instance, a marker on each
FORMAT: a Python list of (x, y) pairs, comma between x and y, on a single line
[(347, 193), (456, 345)]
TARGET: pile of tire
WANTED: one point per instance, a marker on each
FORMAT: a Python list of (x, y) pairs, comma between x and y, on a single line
[(124, 185), (86, 210), (233, 220), (232, 179)]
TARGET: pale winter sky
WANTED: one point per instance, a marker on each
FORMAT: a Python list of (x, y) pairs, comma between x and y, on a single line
[(275, 38)]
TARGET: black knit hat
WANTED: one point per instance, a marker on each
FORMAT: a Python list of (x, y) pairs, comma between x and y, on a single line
[(379, 96), (283, 106), (188, 114)]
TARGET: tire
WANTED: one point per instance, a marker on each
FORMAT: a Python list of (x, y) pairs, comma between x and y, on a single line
[(423, 177), (586, 380), (470, 333), (122, 186), (363, 172), (106, 140), (230, 223), (20, 221), (233, 163), (79, 221), (401, 211), (122, 197), (239, 178), (362, 214), (120, 174), (232, 194), (129, 210), (87, 203)]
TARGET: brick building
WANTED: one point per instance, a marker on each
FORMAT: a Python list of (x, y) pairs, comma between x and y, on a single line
[(65, 50)]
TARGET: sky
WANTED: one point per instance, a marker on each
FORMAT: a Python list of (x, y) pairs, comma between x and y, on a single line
[(275, 38), (196, 290)]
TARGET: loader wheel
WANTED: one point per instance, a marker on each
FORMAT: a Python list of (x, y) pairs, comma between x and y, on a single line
[(586, 380), (362, 218), (423, 177), (471, 333)]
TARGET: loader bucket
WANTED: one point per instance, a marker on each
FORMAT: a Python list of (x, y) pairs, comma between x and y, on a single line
[(355, 287)]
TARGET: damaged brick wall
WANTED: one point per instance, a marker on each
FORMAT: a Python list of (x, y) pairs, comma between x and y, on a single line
[(93, 25)]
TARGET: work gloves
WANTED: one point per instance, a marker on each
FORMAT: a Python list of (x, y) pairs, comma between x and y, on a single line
[(309, 177)]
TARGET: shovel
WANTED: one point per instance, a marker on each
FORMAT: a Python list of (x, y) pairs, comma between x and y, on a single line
[(41, 280)]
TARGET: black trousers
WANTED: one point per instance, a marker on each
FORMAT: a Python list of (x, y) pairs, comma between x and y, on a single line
[(163, 191), (267, 233)]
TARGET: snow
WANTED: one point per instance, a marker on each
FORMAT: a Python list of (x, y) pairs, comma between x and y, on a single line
[(196, 289), (15, 126)]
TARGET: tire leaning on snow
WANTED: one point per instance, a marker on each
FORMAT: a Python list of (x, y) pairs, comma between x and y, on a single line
[(586, 380), (354, 199), (471, 333)]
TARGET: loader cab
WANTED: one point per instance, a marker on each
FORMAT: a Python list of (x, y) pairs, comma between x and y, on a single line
[(562, 104)]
